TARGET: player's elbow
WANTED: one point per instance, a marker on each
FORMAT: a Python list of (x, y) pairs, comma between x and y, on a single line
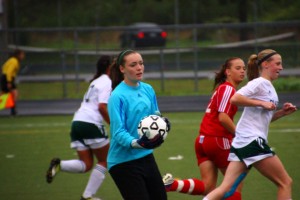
[(102, 108)]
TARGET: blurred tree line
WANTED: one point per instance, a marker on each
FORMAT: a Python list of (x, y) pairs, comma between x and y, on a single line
[(70, 13)]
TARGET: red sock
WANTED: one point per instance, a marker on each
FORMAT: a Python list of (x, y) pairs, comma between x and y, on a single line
[(235, 196), (188, 186)]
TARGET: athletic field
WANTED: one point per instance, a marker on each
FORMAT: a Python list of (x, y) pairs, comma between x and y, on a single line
[(28, 144)]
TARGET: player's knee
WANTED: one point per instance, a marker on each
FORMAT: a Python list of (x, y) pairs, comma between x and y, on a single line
[(209, 186), (286, 183), (289, 182), (88, 166)]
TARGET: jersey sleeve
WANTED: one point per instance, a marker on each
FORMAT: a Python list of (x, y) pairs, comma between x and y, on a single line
[(117, 116), (104, 93), (224, 94), (250, 89)]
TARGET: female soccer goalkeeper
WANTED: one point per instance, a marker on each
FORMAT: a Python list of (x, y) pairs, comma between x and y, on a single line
[(130, 159)]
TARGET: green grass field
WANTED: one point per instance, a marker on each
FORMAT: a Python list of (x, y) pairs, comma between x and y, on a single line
[(28, 144), (173, 87)]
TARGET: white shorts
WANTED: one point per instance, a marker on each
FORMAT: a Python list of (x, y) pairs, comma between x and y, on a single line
[(89, 144), (255, 151)]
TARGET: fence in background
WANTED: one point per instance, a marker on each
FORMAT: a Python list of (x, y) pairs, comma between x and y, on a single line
[(71, 53)]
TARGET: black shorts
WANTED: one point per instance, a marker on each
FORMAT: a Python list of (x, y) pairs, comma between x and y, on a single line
[(4, 87), (139, 179)]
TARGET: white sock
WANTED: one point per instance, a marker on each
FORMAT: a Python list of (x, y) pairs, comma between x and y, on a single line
[(74, 166), (96, 179), (205, 198)]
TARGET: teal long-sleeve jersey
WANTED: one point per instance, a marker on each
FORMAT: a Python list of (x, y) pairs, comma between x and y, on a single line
[(126, 107)]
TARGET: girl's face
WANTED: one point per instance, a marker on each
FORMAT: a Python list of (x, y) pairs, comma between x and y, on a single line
[(236, 72), (133, 69), (271, 69), (21, 56)]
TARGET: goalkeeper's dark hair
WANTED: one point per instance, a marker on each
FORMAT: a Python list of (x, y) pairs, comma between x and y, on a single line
[(115, 74), (255, 61), (220, 76), (102, 66)]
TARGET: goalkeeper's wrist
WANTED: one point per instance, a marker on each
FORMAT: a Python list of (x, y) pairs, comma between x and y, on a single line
[(135, 144)]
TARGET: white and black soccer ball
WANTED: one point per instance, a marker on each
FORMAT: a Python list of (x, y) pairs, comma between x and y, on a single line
[(155, 124)]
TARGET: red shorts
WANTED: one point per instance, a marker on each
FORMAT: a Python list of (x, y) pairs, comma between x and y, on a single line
[(215, 149)]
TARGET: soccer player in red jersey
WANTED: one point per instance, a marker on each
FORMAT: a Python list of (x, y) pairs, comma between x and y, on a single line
[(212, 145)]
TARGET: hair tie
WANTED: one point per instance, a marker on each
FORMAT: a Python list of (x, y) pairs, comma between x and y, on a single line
[(258, 62), (122, 55)]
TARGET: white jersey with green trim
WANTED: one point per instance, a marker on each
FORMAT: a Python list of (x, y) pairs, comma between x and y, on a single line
[(98, 92), (255, 121)]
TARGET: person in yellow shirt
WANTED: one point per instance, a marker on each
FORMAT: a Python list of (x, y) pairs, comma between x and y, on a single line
[(10, 70)]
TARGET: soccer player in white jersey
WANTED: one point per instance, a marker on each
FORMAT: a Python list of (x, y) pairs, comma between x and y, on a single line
[(212, 145), (250, 145), (88, 134)]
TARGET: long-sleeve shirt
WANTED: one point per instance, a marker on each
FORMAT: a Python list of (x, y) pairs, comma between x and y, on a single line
[(126, 107)]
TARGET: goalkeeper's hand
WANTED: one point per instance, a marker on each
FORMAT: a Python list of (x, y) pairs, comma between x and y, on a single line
[(165, 119), (168, 123), (146, 143)]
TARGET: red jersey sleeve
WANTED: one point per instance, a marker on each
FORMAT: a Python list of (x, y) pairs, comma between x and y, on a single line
[(224, 93), (219, 102)]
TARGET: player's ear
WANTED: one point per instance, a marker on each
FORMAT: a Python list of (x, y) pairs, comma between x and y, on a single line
[(227, 72)]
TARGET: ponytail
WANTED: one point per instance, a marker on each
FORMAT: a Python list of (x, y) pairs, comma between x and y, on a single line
[(220, 76), (252, 67), (115, 74), (255, 61), (102, 65)]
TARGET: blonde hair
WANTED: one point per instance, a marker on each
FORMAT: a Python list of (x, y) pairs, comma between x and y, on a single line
[(255, 61)]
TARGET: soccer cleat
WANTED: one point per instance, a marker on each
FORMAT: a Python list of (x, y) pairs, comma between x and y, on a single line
[(54, 168), (90, 198), (168, 180)]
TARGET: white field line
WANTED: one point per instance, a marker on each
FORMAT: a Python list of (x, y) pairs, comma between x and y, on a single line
[(35, 125), (288, 130)]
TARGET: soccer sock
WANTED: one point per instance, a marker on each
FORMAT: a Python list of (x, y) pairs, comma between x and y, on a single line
[(189, 186), (235, 196), (74, 166), (96, 179)]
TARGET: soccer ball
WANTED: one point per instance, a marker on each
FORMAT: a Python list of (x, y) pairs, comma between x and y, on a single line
[(155, 124)]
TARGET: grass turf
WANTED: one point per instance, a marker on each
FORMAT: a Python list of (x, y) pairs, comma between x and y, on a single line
[(28, 144), (172, 87)]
